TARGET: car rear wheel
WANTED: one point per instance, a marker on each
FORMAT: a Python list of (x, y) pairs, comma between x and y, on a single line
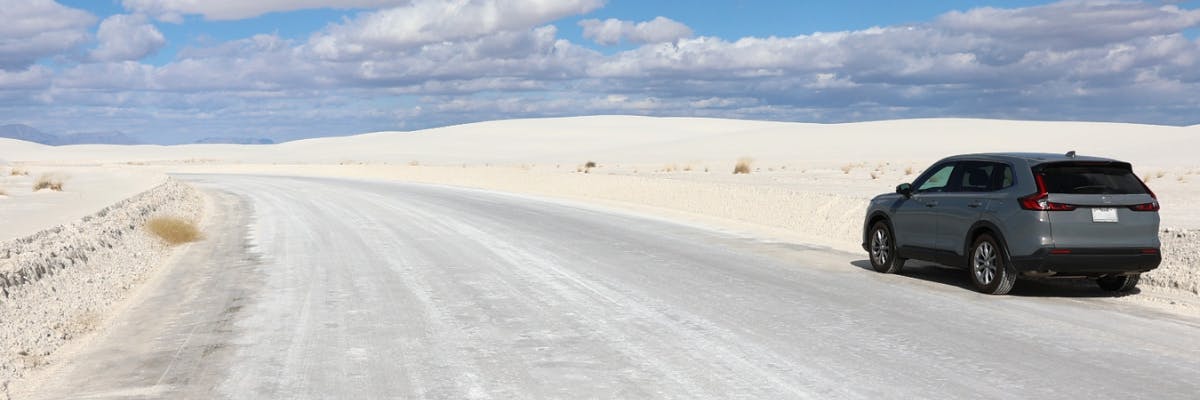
[(1120, 283), (882, 248), (989, 267)]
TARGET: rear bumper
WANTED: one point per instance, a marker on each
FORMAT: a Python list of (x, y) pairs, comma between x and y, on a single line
[(1088, 262)]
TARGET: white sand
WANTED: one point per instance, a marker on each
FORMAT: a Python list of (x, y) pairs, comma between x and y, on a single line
[(61, 283), (810, 181), (85, 190)]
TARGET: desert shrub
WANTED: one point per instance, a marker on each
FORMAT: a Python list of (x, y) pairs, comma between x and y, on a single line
[(908, 170), (847, 168), (18, 172), (173, 230), (590, 164), (742, 166), (48, 182)]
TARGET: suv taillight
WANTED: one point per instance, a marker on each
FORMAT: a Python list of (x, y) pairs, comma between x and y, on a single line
[(1040, 201), (1151, 206)]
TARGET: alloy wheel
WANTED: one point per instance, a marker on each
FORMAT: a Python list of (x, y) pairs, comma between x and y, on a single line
[(984, 263)]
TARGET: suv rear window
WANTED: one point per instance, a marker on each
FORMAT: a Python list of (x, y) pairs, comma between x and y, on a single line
[(1084, 178)]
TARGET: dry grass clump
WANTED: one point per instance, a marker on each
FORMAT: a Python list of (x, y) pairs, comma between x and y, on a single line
[(1160, 174), (414, 163), (590, 164), (875, 175), (18, 172), (847, 168), (2, 192), (48, 182), (173, 230), (742, 166), (908, 170)]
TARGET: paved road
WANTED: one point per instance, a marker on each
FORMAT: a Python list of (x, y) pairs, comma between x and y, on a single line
[(321, 288)]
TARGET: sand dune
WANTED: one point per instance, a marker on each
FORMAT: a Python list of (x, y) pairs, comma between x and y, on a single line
[(809, 182), (628, 139)]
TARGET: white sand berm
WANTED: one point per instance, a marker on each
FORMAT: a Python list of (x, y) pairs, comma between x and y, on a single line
[(809, 182)]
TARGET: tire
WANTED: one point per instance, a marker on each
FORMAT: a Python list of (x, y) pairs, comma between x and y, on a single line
[(1120, 283), (881, 247), (989, 268)]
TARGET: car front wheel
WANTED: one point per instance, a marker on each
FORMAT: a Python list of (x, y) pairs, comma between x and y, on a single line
[(990, 271), (882, 248)]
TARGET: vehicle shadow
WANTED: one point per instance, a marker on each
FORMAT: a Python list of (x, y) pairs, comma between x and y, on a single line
[(1067, 288)]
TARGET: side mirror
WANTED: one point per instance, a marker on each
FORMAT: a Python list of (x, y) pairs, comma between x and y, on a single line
[(904, 189)]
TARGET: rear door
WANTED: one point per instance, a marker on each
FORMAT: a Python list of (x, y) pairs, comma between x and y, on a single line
[(1105, 196), (973, 185)]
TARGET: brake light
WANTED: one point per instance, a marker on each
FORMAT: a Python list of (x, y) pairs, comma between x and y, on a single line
[(1151, 206), (1149, 251), (1040, 201), (1060, 251)]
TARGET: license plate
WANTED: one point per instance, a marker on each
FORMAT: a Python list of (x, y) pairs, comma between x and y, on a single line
[(1104, 215)]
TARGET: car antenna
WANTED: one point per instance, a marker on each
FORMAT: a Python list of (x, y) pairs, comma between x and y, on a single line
[(1071, 154)]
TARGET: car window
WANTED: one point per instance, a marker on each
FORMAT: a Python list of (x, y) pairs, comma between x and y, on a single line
[(1091, 178), (978, 176), (938, 180)]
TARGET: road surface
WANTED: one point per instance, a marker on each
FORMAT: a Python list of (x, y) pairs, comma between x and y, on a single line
[(325, 288)]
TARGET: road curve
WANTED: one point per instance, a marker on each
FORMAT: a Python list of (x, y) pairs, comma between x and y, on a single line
[(326, 288)]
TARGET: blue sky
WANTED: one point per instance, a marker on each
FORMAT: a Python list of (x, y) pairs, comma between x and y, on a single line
[(173, 71)]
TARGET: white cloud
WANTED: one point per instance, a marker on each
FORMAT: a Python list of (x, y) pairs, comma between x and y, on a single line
[(432, 63), (435, 21), (126, 37), (1072, 23), (612, 31), (174, 10), (33, 29)]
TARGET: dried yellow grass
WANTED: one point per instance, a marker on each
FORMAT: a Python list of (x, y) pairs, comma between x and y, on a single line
[(173, 231), (48, 182), (742, 166), (18, 172)]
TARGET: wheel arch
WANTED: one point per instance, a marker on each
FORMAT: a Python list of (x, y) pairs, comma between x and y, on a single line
[(980, 228), (873, 218)]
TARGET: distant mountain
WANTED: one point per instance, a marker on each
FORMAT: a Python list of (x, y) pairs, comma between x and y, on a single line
[(113, 137), (31, 134), (234, 140), (28, 134)]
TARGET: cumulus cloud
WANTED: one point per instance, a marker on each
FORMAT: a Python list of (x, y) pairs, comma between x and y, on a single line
[(435, 21), (126, 37), (612, 31), (33, 29), (174, 10), (441, 62), (1070, 24)]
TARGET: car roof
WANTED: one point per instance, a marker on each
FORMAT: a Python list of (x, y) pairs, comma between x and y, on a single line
[(1031, 158)]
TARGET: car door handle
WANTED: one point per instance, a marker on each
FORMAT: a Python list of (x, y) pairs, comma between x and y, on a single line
[(976, 204), (931, 204)]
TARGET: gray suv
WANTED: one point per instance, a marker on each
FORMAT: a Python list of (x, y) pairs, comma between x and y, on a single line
[(1008, 215)]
